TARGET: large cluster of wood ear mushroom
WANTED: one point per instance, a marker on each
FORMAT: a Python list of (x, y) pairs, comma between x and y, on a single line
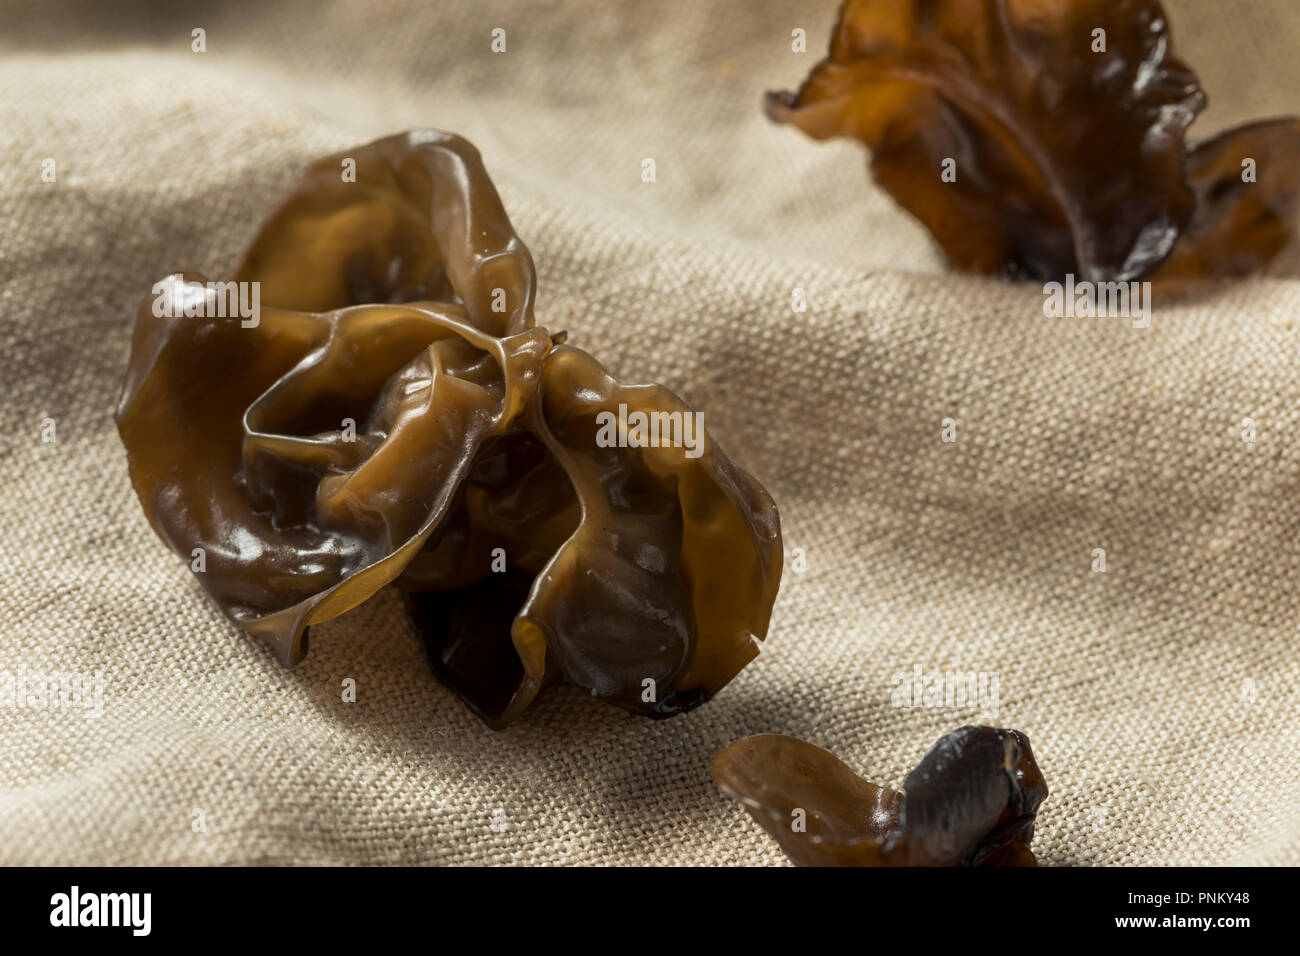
[(394, 415)]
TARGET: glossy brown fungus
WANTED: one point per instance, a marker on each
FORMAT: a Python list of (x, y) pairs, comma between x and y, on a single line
[(971, 801), (1043, 139), (370, 402)]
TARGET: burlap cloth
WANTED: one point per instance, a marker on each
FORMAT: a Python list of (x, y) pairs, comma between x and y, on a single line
[(1160, 695)]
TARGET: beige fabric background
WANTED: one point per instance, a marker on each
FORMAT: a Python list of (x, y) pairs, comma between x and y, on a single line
[(1072, 435)]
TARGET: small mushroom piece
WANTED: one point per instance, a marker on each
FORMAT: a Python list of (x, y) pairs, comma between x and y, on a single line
[(971, 801)]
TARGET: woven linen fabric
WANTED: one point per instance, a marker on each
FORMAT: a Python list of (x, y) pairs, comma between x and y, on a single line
[(1160, 694)]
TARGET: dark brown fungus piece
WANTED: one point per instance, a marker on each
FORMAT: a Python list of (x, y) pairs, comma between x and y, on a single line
[(1061, 156), (1247, 183), (393, 415), (971, 801)]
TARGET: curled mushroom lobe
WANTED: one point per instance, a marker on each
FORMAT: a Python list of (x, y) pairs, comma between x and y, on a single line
[(971, 801), (1037, 139), (369, 401)]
